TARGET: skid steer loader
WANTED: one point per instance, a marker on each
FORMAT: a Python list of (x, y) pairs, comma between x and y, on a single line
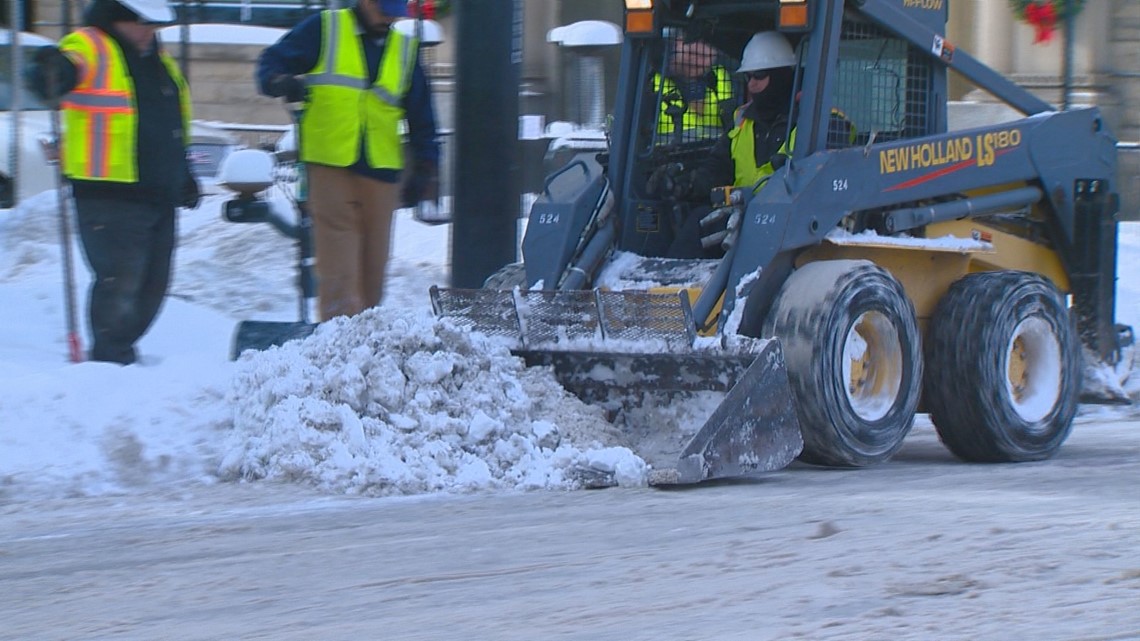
[(899, 268)]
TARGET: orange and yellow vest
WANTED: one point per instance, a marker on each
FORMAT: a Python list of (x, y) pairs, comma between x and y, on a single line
[(343, 108), (100, 115)]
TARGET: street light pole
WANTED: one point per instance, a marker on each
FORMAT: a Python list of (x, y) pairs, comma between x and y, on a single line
[(485, 204), (1067, 64)]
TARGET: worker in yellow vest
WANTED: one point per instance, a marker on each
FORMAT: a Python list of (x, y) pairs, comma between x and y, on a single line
[(126, 125), (358, 78), (694, 93), (744, 156)]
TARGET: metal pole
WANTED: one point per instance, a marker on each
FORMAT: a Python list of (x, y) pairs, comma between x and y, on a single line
[(1067, 65), (484, 235), (16, 18), (184, 35)]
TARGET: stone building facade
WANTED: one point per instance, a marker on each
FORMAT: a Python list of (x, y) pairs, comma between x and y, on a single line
[(1106, 65)]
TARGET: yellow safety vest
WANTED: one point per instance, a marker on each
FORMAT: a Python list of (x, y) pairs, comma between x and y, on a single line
[(743, 148), (100, 114), (343, 108), (708, 117)]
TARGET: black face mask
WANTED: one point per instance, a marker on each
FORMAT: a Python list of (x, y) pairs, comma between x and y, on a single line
[(776, 98)]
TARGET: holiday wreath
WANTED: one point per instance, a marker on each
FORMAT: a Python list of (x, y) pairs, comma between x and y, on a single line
[(430, 9), (1043, 15)]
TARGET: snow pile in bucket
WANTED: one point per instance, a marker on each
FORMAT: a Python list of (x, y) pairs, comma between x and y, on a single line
[(388, 404)]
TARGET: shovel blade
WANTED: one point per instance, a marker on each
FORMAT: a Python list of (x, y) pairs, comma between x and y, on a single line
[(754, 430), (261, 335)]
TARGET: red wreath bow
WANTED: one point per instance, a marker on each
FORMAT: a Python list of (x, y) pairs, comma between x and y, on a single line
[(427, 6), (1043, 17)]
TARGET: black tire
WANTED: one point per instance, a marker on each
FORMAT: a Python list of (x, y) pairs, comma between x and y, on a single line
[(508, 277), (1003, 368), (857, 412)]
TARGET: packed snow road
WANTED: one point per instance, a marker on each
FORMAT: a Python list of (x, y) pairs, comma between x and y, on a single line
[(923, 547)]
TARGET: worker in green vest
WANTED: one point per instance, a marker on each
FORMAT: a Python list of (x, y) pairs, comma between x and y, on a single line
[(358, 78), (695, 93), (126, 126), (758, 143)]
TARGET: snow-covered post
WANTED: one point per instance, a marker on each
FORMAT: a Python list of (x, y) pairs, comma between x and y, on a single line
[(586, 39), (16, 18)]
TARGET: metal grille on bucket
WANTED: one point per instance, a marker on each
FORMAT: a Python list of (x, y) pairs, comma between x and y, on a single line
[(569, 319), (642, 316), (489, 311)]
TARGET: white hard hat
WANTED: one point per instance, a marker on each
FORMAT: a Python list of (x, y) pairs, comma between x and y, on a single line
[(150, 10), (767, 50)]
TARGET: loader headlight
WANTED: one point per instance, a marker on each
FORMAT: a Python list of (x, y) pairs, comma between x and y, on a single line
[(639, 16), (794, 15)]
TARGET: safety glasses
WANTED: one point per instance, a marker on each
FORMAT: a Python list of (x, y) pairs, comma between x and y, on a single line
[(756, 75)]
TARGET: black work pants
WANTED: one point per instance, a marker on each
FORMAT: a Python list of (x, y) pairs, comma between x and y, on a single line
[(129, 246)]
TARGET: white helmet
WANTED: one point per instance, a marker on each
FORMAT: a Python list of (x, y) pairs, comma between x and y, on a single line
[(150, 10), (767, 50)]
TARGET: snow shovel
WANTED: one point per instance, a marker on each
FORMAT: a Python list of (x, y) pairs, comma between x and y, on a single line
[(261, 335)]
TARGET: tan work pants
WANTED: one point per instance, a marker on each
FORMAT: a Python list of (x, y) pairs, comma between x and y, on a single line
[(352, 232)]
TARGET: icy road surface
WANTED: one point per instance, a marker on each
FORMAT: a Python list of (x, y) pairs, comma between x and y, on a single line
[(923, 547)]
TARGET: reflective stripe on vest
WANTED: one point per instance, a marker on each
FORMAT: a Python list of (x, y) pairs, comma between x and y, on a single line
[(343, 108), (100, 114), (708, 116)]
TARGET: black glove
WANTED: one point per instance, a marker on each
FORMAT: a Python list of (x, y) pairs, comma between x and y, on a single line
[(422, 184), (50, 74), (778, 160), (191, 196), (289, 87), (669, 181)]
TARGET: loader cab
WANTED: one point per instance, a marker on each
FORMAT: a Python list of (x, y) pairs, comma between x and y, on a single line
[(874, 87), (681, 102)]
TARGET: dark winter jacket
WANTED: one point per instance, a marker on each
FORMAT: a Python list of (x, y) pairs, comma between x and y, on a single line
[(770, 113)]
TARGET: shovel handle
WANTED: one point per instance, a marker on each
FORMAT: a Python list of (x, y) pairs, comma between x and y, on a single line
[(74, 344)]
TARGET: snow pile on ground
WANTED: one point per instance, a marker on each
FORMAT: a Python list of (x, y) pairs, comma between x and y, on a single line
[(387, 403)]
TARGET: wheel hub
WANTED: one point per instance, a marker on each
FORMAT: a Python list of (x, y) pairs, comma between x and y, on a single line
[(872, 364), (1033, 369)]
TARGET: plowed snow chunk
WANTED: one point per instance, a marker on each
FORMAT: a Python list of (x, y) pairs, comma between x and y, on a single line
[(387, 403)]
